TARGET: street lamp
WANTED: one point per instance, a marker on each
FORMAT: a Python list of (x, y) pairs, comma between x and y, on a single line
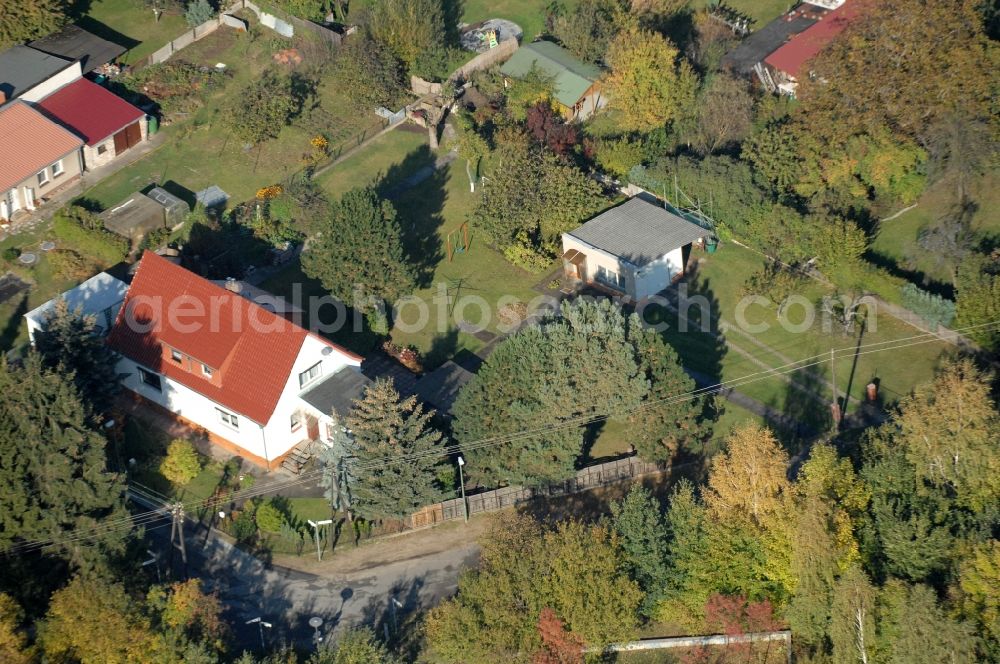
[(316, 525), (461, 480), (316, 622), (260, 625), (395, 604)]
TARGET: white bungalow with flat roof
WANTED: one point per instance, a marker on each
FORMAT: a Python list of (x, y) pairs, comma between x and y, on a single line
[(636, 249), (101, 296)]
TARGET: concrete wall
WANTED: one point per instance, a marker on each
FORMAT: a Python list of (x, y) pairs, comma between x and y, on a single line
[(659, 274), (48, 86), (186, 39), (486, 59)]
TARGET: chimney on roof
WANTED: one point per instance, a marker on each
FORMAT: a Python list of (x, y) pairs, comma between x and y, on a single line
[(3, 97)]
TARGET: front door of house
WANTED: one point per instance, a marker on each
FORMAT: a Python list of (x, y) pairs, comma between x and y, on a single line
[(29, 198)]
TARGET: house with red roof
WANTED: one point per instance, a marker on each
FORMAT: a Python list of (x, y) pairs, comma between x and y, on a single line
[(108, 124), (37, 158), (782, 70), (257, 383)]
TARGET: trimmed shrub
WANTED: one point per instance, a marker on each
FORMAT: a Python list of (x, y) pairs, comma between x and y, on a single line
[(75, 227), (934, 309), (269, 518), (182, 463)]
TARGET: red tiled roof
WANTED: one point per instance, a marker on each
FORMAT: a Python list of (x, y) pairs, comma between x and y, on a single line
[(793, 54), (88, 109), (30, 143), (250, 349)]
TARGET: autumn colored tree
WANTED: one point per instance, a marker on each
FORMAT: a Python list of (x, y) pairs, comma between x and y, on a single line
[(650, 85), (93, 621), (398, 453), (550, 129), (186, 610), (559, 646), (573, 569), (724, 115), (948, 430), (14, 648), (182, 463), (978, 590), (734, 615), (21, 22)]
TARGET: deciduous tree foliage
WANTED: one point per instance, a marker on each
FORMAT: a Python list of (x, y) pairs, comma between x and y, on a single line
[(360, 246), (559, 646), (852, 618), (182, 463), (261, 110), (23, 21), (52, 465), (14, 648), (948, 431), (574, 569), (368, 73), (724, 114), (411, 29), (568, 368), (978, 590), (355, 646), (586, 28), (398, 452), (650, 85), (71, 341), (978, 301)]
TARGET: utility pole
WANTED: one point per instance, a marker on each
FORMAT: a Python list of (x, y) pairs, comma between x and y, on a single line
[(461, 480), (316, 525), (177, 535), (835, 406)]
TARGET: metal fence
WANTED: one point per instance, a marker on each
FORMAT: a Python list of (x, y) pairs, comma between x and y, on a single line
[(591, 477)]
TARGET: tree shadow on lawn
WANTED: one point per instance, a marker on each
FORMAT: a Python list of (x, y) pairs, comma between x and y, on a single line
[(805, 408), (420, 211)]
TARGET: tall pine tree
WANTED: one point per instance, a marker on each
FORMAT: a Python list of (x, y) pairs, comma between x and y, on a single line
[(398, 453), (52, 467), (69, 341)]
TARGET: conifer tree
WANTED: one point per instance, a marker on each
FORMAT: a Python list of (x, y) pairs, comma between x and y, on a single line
[(639, 522), (71, 341), (52, 466), (398, 452)]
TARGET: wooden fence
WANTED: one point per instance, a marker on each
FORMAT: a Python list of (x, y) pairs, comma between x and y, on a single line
[(491, 501)]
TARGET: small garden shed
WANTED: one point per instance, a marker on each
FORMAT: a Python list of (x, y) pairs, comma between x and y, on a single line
[(134, 217), (174, 209)]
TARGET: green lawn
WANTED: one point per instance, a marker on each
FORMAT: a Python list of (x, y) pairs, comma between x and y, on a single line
[(393, 155), (720, 280), (130, 19), (896, 242), (199, 152)]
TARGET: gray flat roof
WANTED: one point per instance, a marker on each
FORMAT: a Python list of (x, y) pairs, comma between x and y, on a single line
[(638, 231), (337, 392), (440, 387), (762, 43), (94, 296), (22, 68), (75, 43)]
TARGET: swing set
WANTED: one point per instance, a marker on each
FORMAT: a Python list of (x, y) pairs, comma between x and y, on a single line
[(457, 241)]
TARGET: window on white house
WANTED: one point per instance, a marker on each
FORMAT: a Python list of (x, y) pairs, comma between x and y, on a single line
[(229, 419), (43, 176), (609, 278), (296, 421), (101, 149), (176, 356), (151, 379), (57, 169), (207, 370), (310, 374)]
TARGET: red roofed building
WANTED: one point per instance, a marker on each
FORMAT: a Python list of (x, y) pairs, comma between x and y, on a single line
[(789, 63), (37, 158), (108, 124), (223, 363)]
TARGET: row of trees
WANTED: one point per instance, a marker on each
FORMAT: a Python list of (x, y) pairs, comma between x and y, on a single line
[(885, 557)]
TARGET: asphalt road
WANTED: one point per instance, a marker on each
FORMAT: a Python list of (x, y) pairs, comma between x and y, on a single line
[(287, 599)]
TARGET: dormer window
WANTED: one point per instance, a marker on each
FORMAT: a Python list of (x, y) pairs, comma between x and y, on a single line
[(206, 371), (310, 374)]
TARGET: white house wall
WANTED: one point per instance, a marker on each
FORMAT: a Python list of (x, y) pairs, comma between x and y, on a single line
[(597, 258), (48, 86), (278, 430), (192, 406), (657, 275)]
